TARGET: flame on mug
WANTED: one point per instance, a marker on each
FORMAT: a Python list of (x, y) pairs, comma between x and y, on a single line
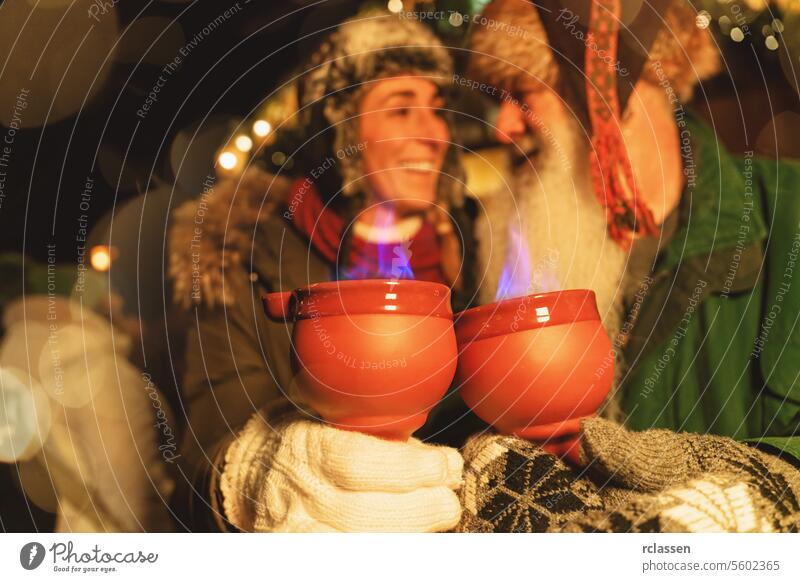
[(517, 278), (393, 257)]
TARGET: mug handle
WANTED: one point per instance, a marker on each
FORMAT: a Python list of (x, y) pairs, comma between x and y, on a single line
[(277, 306)]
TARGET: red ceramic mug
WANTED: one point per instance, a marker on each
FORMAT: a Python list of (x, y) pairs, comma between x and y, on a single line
[(370, 355), (535, 366)]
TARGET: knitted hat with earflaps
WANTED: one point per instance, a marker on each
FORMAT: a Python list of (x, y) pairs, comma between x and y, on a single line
[(371, 46)]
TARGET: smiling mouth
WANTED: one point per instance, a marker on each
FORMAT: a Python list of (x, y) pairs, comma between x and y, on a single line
[(422, 166)]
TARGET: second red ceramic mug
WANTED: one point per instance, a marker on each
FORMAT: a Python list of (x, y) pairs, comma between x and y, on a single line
[(534, 366)]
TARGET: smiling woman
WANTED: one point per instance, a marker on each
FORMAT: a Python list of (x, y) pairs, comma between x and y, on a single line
[(406, 140), (378, 197)]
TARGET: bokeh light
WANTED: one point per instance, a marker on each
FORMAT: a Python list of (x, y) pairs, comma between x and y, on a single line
[(771, 43), (57, 58), (24, 416), (100, 258), (244, 143), (278, 158), (228, 160), (395, 6), (262, 128)]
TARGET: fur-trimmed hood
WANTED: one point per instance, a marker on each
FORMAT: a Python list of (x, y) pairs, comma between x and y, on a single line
[(215, 232)]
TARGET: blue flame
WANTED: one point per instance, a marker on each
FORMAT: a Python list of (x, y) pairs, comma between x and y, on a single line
[(392, 260), (515, 280), (518, 278), (399, 260)]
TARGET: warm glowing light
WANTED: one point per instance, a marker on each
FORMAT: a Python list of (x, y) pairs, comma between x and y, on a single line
[(228, 160), (395, 6), (244, 143), (771, 43), (100, 258), (390, 307), (391, 296), (262, 128)]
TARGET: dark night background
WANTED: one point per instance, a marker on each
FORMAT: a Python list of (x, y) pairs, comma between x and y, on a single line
[(228, 74)]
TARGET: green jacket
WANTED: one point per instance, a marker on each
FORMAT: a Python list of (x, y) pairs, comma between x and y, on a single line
[(716, 346)]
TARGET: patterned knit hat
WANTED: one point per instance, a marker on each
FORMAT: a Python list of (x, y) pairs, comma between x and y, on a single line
[(370, 46)]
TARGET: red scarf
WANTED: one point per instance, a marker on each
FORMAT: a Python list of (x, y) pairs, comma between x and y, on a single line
[(324, 228), (612, 176)]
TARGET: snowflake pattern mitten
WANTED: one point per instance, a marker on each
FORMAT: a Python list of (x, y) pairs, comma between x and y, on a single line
[(685, 482), (512, 485)]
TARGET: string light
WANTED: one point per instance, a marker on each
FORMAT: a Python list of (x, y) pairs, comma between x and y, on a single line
[(262, 128), (100, 258), (228, 160), (771, 42), (725, 24), (703, 19), (395, 6), (244, 143)]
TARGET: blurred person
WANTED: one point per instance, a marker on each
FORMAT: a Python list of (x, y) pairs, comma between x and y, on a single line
[(81, 422), (690, 249)]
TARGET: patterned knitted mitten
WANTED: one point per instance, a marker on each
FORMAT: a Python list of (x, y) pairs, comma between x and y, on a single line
[(688, 482), (512, 485), (716, 503)]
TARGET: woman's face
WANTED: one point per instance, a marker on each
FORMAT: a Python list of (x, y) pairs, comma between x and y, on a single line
[(404, 138)]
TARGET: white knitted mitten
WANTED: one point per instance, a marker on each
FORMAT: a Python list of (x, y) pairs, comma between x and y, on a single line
[(300, 475)]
